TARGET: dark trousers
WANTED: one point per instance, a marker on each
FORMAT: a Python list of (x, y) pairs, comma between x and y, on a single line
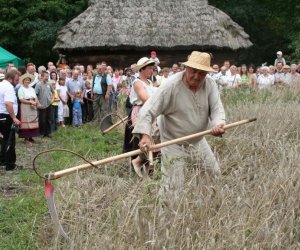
[(83, 113), (8, 150), (130, 143), (54, 119), (88, 105), (70, 118), (100, 107), (113, 101), (45, 116)]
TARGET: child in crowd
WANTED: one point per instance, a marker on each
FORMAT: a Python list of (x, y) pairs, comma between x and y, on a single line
[(63, 109), (88, 102), (77, 112), (279, 58), (55, 102)]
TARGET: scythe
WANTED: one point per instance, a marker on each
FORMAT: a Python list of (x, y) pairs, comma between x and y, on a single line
[(49, 188)]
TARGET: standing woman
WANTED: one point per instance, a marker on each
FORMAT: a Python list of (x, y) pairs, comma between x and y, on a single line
[(252, 75), (54, 77), (265, 80), (142, 89), (90, 75), (116, 82), (234, 79), (29, 126), (245, 77)]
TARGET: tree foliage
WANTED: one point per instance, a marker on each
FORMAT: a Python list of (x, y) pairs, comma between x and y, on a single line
[(29, 28), (272, 26)]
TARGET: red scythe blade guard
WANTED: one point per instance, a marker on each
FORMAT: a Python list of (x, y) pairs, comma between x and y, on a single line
[(49, 194)]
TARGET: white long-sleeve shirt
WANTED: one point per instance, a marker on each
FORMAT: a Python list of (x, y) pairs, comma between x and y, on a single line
[(182, 111)]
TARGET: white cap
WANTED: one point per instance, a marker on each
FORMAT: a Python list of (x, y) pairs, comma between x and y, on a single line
[(2, 76), (279, 53)]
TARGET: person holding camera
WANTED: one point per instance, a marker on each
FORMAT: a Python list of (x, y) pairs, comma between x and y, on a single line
[(8, 119)]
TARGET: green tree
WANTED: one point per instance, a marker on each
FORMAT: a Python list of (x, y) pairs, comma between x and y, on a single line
[(272, 26), (29, 28)]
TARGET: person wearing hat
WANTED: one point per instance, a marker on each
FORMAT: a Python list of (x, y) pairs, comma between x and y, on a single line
[(188, 102), (8, 117), (279, 58), (142, 89), (29, 126)]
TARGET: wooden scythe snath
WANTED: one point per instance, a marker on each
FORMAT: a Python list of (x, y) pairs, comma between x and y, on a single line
[(61, 173), (49, 188), (115, 125)]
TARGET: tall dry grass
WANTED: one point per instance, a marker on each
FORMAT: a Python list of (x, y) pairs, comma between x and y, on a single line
[(254, 205)]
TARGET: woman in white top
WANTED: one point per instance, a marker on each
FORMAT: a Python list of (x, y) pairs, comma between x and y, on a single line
[(265, 80), (63, 109), (234, 79), (28, 110), (142, 89)]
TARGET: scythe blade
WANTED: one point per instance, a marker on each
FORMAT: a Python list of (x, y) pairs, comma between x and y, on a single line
[(49, 194)]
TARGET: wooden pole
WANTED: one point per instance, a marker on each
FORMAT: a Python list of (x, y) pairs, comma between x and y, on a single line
[(115, 125), (58, 174)]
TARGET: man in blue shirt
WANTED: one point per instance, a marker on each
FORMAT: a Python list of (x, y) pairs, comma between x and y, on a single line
[(101, 87)]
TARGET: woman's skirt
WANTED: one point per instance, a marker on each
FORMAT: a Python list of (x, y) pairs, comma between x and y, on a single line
[(29, 126)]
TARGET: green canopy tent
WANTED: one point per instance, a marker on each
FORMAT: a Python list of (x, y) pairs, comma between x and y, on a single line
[(6, 57)]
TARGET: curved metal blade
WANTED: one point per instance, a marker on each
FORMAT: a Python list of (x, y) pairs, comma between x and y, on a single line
[(49, 194), (106, 122)]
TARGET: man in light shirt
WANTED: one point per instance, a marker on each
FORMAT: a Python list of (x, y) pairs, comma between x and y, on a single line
[(8, 113), (279, 75), (101, 88), (187, 103)]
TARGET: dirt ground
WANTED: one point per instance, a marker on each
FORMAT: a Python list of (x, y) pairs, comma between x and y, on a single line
[(10, 186)]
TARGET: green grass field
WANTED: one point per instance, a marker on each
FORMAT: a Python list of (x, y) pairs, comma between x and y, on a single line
[(254, 205)]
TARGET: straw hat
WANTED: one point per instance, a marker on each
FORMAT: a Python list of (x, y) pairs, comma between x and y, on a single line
[(23, 77), (199, 60), (143, 62)]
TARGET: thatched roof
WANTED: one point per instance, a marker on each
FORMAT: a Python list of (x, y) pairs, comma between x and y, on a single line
[(156, 23)]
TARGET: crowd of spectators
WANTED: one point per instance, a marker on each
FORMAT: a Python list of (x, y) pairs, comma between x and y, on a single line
[(58, 95)]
